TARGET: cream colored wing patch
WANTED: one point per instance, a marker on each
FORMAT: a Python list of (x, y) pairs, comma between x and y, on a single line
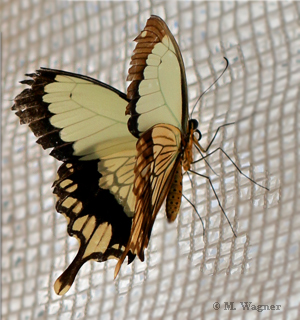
[(117, 172), (158, 91), (89, 115)]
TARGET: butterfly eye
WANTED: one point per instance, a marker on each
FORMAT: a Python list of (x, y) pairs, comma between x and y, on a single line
[(193, 124), (197, 132)]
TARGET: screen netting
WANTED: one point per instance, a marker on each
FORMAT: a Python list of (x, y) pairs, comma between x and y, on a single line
[(185, 272)]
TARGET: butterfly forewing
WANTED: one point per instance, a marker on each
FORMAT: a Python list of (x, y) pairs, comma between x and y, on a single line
[(158, 154), (158, 91)]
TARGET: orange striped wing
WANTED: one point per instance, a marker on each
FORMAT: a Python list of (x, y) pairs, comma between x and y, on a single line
[(158, 155)]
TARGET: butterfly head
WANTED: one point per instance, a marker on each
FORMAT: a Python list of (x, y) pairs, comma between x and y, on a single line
[(193, 130)]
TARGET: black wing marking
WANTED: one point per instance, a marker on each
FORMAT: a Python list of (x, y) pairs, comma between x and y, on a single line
[(94, 217)]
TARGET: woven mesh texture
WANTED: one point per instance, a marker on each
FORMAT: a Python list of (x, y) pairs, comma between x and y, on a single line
[(185, 272)]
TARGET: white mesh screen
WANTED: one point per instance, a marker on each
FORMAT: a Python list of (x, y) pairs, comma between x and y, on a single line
[(184, 274)]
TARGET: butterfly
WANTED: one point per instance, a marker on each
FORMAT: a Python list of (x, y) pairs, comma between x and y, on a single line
[(123, 155)]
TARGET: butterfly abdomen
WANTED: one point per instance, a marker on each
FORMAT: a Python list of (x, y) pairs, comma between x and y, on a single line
[(174, 196)]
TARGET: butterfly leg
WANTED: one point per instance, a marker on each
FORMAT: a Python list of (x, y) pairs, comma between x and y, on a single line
[(236, 166), (194, 207), (201, 149), (214, 137), (206, 177)]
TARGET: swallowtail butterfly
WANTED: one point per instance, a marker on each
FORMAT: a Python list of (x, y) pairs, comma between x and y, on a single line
[(122, 154)]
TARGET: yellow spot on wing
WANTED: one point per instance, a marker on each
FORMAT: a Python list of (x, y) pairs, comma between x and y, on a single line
[(117, 246), (77, 208), (89, 228), (69, 202), (78, 224), (114, 189), (65, 183), (57, 287), (72, 188), (100, 240)]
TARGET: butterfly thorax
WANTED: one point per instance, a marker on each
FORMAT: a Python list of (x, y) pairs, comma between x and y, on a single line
[(187, 144), (187, 151)]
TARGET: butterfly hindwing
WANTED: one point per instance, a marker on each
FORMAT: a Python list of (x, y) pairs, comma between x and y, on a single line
[(118, 177), (92, 214)]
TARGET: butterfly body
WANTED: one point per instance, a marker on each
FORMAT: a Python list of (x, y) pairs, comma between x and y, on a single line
[(123, 154)]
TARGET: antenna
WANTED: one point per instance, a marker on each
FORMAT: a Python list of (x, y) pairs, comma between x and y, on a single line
[(227, 64)]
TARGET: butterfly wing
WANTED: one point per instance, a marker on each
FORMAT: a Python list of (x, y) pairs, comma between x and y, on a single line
[(158, 95), (158, 157), (158, 91), (94, 217), (83, 120)]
